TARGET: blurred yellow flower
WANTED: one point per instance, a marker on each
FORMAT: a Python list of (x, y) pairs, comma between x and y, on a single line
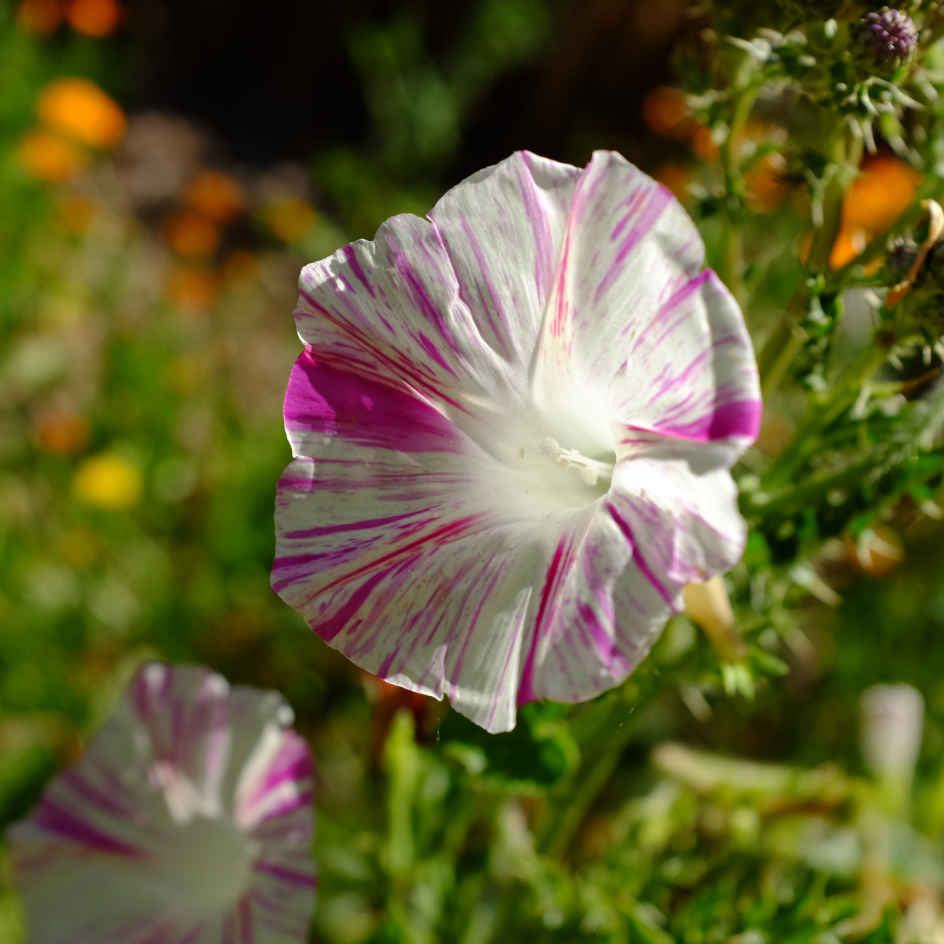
[(216, 195), (107, 481), (190, 234), (676, 177), (94, 17), (48, 157), (40, 17), (290, 219), (81, 109)]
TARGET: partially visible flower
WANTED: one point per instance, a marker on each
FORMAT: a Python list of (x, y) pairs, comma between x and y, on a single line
[(513, 423), (48, 157), (108, 480), (82, 110), (884, 40), (96, 18), (188, 821)]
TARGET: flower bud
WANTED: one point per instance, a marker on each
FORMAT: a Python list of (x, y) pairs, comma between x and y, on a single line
[(885, 40), (892, 721)]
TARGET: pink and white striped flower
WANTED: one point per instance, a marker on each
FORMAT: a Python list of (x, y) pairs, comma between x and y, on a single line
[(512, 426), (188, 821)]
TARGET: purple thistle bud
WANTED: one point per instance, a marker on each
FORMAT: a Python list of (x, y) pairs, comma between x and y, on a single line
[(886, 39)]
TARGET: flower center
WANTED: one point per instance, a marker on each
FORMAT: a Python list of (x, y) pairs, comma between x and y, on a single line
[(206, 862)]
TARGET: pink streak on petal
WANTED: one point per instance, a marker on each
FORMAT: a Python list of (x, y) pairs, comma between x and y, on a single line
[(731, 419), (543, 244), (325, 399), (657, 201), (558, 566), (351, 255), (61, 821), (292, 876), (644, 568)]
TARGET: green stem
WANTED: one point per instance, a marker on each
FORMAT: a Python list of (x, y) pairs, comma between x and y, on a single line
[(603, 728), (786, 340), (821, 414), (731, 264)]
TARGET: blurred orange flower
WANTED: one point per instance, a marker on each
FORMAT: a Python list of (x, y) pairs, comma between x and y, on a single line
[(62, 431), (290, 219), (94, 17), (215, 195), (703, 144), (240, 264), (81, 109), (676, 177), (107, 481), (75, 212), (48, 157), (666, 112), (190, 234), (766, 185), (192, 289), (884, 189), (40, 17)]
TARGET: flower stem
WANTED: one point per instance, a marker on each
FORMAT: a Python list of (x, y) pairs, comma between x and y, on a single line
[(787, 338), (731, 264)]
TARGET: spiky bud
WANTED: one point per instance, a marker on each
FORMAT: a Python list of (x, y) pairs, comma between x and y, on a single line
[(885, 40)]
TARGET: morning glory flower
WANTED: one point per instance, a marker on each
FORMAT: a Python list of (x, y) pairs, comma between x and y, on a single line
[(512, 424), (187, 821)]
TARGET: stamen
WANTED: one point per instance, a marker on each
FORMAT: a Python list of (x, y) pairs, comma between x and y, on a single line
[(590, 470)]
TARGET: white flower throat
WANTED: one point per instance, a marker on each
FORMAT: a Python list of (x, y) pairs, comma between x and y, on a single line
[(589, 470)]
